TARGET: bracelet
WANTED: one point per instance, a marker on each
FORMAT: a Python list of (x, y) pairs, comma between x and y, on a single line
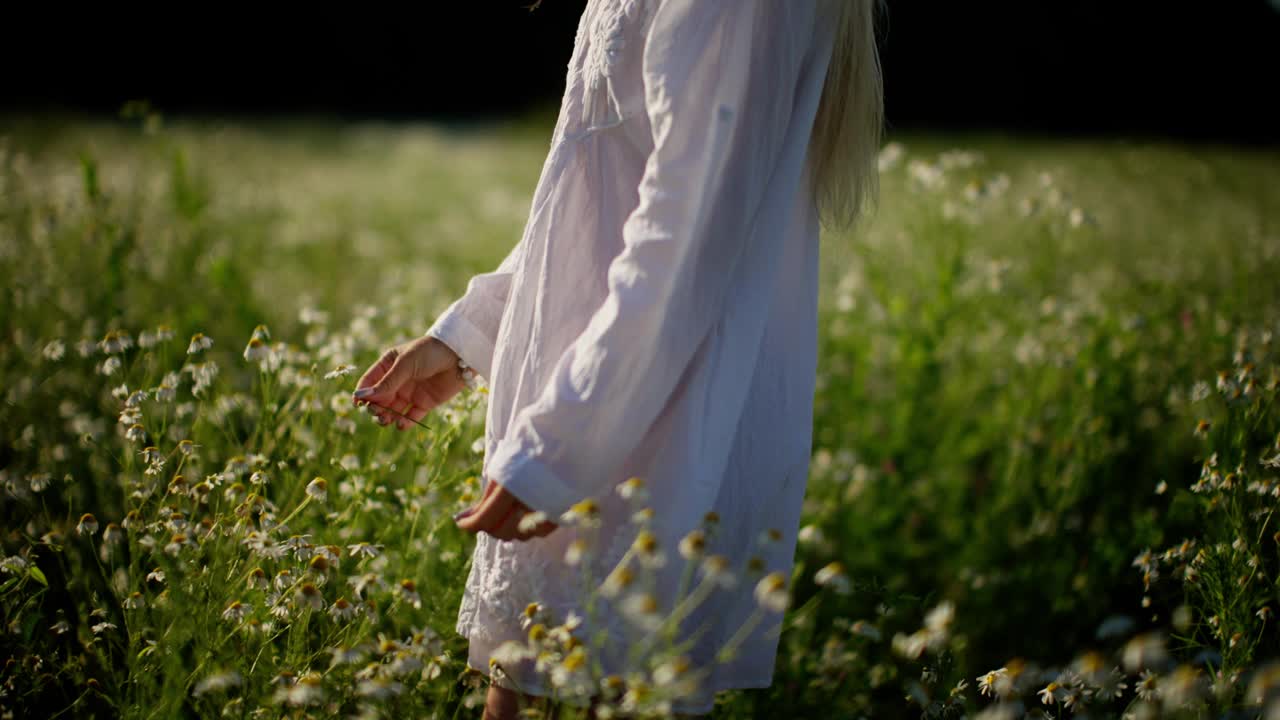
[(466, 373)]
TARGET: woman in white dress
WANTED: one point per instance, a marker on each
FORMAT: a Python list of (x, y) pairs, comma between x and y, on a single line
[(658, 321)]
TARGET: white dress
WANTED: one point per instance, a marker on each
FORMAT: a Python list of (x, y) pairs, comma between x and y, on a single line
[(657, 319)]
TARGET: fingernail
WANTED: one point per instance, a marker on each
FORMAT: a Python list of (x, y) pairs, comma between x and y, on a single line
[(363, 392)]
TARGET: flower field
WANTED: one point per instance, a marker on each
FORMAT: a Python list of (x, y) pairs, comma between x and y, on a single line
[(1047, 436)]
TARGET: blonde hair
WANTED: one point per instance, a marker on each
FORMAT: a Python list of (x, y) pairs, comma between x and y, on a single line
[(849, 125)]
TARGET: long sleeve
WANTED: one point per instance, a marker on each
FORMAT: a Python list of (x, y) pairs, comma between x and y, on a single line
[(469, 326), (719, 80)]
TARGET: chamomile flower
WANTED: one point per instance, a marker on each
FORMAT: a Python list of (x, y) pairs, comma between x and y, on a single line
[(612, 686), (1051, 693), (530, 521), (865, 629), (257, 579), (88, 525), (647, 549), (364, 549), (115, 342), (343, 609), (217, 682), (257, 351), (617, 582), (343, 655), (995, 682), (575, 552), (511, 653), (136, 433), (54, 351), (572, 675), (307, 690), (1111, 686), (339, 371), (409, 592), (693, 545), (585, 513), (236, 611), (307, 595), (319, 565), (715, 569), (1183, 686), (811, 535), (834, 576), (633, 489), (199, 342), (675, 674), (379, 688), (1146, 650), (910, 646), (318, 489), (771, 592), (770, 537), (642, 609), (113, 534), (1147, 686), (940, 617), (362, 583), (177, 543)]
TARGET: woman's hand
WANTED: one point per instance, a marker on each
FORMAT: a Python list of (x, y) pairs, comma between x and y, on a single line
[(410, 378), (500, 513)]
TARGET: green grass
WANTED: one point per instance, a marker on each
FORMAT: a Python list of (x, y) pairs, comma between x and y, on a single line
[(1015, 353)]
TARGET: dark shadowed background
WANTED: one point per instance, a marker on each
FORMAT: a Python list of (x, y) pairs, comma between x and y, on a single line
[(1192, 70)]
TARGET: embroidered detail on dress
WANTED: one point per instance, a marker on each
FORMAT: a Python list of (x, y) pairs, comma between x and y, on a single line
[(607, 40)]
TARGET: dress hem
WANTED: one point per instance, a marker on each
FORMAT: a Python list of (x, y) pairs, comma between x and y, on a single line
[(541, 690)]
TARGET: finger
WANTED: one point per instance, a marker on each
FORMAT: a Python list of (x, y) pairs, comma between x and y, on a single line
[(417, 412), (402, 404), (380, 413), (546, 528), (425, 398), (403, 422), (375, 373), (506, 528), (387, 412), (422, 404), (387, 387), (491, 511)]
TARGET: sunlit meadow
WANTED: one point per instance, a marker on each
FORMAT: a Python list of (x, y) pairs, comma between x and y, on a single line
[(1047, 441)]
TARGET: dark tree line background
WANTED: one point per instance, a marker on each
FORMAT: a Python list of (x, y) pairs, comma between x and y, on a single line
[(1190, 70)]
